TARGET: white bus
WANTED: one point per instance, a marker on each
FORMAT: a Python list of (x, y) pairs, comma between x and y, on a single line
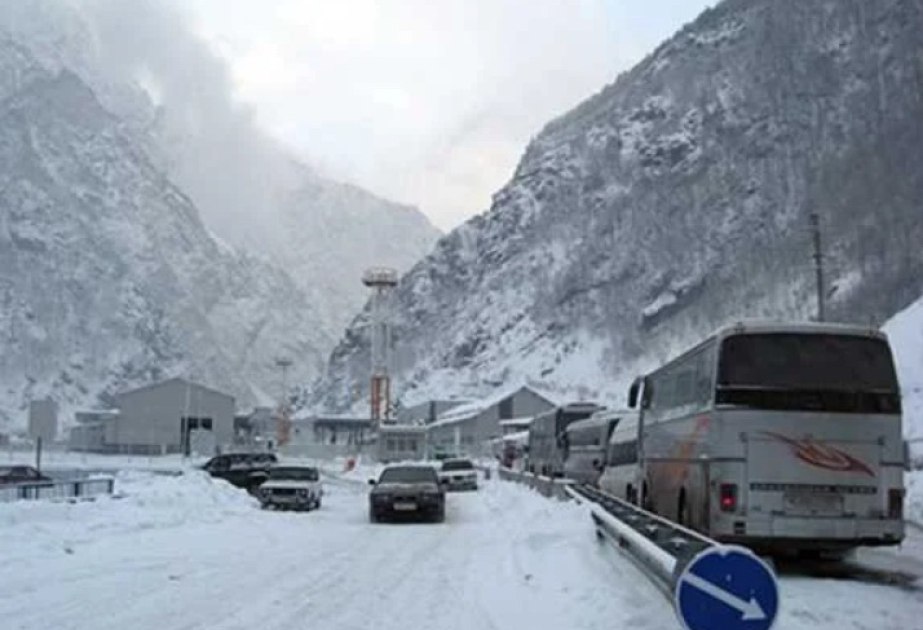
[(545, 453), (778, 436), (585, 443)]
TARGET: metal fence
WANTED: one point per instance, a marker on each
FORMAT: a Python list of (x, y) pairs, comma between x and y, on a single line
[(60, 490)]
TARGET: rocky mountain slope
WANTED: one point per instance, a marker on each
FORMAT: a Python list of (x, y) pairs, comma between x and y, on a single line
[(147, 66), (676, 200), (129, 253), (108, 277)]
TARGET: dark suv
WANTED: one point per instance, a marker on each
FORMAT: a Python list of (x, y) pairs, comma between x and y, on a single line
[(244, 470), (21, 474), (412, 491)]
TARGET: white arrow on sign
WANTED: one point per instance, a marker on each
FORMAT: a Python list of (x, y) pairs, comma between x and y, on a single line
[(751, 610)]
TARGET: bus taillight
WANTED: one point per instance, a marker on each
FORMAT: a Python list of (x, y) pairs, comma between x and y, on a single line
[(728, 497), (895, 503)]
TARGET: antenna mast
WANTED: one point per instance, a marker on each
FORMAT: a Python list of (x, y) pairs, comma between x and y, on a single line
[(381, 280)]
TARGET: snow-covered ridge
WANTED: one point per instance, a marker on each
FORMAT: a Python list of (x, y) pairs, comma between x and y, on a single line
[(675, 201), (134, 248)]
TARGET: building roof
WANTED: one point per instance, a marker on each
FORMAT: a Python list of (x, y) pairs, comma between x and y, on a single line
[(514, 422), (340, 422), (187, 382), (469, 410), (401, 428)]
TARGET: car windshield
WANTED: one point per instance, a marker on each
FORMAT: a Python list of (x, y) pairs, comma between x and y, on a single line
[(294, 473), (408, 474), (458, 464)]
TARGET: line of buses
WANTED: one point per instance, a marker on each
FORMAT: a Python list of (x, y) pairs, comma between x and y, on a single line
[(777, 436)]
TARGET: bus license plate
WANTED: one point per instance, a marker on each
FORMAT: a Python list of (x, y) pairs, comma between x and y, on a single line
[(813, 502), (405, 506)]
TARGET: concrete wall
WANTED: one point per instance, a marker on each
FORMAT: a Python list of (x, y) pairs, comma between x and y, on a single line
[(151, 416), (87, 437)]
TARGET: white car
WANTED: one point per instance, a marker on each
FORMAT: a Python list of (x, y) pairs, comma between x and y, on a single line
[(291, 487), (458, 474)]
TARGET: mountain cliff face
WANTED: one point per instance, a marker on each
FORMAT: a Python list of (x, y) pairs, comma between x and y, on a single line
[(117, 266), (167, 88), (676, 200), (108, 278)]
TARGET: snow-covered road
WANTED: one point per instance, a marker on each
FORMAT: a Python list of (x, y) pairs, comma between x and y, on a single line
[(191, 553)]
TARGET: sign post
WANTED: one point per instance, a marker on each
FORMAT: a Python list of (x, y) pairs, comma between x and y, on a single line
[(727, 588)]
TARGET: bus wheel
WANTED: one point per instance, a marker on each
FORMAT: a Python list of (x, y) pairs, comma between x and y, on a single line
[(682, 509)]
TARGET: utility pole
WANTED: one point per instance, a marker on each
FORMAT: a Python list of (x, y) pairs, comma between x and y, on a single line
[(818, 266), (285, 364), (283, 425)]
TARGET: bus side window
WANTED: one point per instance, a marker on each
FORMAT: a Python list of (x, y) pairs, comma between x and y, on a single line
[(663, 386), (623, 453), (684, 388)]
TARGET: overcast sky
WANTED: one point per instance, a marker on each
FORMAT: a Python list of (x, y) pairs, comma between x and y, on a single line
[(429, 102)]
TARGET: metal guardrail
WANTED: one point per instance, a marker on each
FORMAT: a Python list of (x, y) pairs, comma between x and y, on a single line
[(546, 486), (60, 490), (659, 546)]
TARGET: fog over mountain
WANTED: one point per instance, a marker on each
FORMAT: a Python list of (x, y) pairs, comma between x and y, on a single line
[(148, 227)]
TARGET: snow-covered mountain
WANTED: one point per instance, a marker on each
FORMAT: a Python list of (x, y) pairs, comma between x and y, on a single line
[(117, 266), (149, 68), (108, 278), (676, 200)]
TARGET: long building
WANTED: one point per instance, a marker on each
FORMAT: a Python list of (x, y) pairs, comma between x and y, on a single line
[(172, 416), (467, 429)]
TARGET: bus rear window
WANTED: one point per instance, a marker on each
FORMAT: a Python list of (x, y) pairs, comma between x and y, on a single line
[(807, 363)]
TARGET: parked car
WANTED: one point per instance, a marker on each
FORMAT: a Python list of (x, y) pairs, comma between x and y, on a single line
[(459, 474), (244, 470), (291, 487), (10, 475), (412, 491)]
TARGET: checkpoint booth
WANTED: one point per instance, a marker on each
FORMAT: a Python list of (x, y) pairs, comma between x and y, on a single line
[(401, 442)]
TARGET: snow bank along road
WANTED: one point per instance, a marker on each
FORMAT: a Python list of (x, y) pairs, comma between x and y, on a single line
[(189, 552)]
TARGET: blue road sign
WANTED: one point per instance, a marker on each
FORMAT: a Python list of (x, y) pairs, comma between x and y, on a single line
[(727, 588)]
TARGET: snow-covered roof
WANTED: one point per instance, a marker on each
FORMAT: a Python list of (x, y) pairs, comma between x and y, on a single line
[(176, 379), (469, 410), (512, 422)]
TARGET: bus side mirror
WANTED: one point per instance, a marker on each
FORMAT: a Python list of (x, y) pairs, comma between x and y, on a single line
[(633, 394), (643, 386)]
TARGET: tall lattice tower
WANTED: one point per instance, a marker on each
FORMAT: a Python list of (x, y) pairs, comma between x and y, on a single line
[(381, 281)]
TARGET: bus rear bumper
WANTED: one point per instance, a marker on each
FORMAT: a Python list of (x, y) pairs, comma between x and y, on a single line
[(788, 532)]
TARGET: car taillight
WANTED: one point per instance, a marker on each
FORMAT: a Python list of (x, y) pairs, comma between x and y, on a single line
[(728, 497), (895, 503)]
